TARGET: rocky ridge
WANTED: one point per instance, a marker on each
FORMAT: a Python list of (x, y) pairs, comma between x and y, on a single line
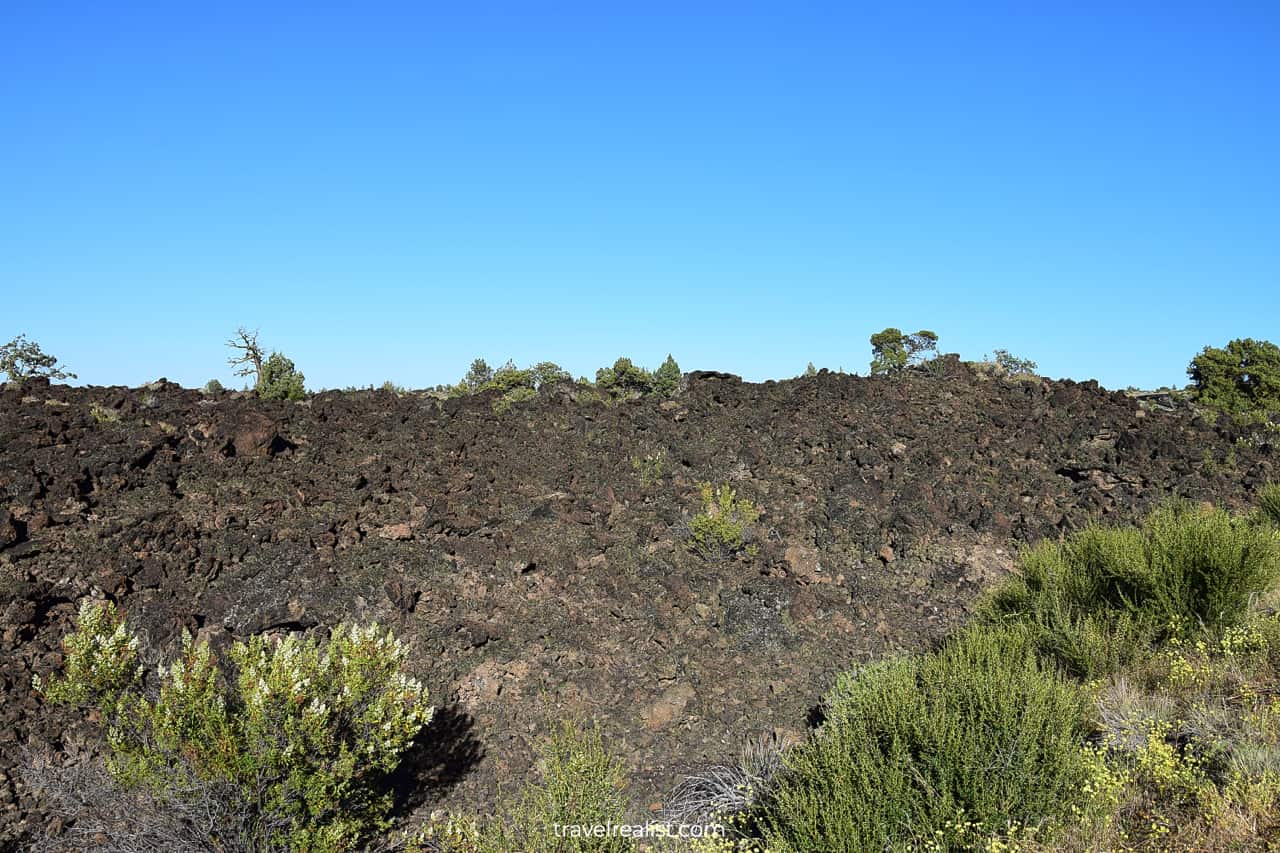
[(535, 558)]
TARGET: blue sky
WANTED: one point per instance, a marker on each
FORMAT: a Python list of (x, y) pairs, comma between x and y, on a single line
[(388, 190)]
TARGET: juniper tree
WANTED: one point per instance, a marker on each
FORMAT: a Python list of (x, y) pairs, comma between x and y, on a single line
[(893, 352), (21, 359), (667, 378), (1242, 378)]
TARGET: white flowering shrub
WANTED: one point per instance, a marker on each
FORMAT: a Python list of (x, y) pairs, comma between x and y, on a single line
[(297, 737), (100, 659)]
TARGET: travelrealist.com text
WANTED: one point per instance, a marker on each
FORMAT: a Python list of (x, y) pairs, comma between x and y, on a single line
[(639, 830)]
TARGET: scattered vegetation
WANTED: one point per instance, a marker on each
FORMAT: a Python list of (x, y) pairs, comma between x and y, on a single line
[(723, 526), (623, 381), (1241, 379), (1192, 734), (388, 386), (513, 384), (1269, 503), (1122, 694), (515, 395), (21, 359), (289, 748), (481, 377), (103, 415), (893, 352), (651, 467)]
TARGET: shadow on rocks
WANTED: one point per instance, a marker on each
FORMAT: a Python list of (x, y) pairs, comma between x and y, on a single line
[(442, 756)]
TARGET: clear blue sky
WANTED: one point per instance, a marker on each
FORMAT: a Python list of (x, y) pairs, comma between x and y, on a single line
[(390, 189)]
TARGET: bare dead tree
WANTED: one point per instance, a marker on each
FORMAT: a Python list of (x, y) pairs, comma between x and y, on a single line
[(250, 359)]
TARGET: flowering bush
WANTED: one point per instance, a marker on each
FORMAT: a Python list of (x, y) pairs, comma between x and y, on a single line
[(294, 742)]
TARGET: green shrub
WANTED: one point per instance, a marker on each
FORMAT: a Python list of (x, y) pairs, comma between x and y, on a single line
[(722, 528), (892, 351), (1241, 379), (1098, 598), (624, 379), (509, 377), (1269, 503), (980, 738), (103, 414), (516, 395), (580, 785), (100, 659), (280, 379), (291, 747), (212, 387), (21, 359), (651, 467)]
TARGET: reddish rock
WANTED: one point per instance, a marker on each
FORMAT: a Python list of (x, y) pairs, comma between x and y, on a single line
[(401, 532), (802, 563), (668, 707)]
